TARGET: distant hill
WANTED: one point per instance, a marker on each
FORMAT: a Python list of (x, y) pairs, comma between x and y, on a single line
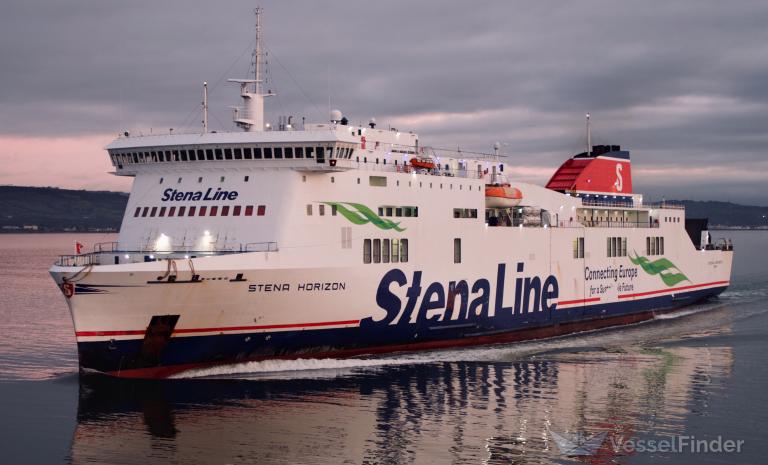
[(726, 213), (52, 209)]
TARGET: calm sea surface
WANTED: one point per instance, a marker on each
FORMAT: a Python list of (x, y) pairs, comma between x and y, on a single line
[(700, 374)]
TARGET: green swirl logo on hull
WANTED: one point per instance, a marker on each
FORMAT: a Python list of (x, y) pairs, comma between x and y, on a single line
[(667, 271), (359, 214)]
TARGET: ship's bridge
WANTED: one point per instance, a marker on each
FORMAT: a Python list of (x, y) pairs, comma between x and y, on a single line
[(318, 147)]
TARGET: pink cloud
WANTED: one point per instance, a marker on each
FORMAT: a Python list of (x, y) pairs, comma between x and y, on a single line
[(74, 162)]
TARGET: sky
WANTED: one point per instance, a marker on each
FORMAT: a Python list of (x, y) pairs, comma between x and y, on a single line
[(683, 85)]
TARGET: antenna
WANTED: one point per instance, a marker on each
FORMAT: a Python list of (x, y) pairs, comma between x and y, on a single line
[(251, 117), (257, 52), (589, 138), (205, 107)]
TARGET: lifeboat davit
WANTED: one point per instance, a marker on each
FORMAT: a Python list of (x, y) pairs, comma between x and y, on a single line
[(502, 196), (422, 162)]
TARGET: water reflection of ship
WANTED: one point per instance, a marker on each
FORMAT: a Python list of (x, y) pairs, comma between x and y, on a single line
[(461, 412)]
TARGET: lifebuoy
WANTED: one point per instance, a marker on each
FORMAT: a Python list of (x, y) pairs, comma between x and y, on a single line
[(332, 162)]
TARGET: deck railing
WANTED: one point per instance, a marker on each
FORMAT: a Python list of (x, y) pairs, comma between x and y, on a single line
[(108, 253)]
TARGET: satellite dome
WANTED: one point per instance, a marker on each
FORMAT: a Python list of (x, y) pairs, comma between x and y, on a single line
[(335, 116)]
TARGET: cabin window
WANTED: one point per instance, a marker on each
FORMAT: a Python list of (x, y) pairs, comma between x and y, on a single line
[(309, 152), (236, 210), (257, 153), (267, 152), (321, 209), (225, 210), (320, 152), (200, 154), (617, 247), (334, 209), (404, 250), (247, 153), (136, 213), (238, 153), (221, 179), (457, 250), (184, 155), (299, 152), (178, 181), (385, 251), (367, 251), (398, 211), (162, 211), (377, 181), (288, 152), (203, 210), (278, 152), (218, 153), (214, 211), (182, 210), (261, 210), (377, 251), (245, 179), (578, 247), (153, 212), (395, 250), (208, 154), (192, 211), (309, 209), (249, 210), (200, 180), (172, 211), (176, 155)]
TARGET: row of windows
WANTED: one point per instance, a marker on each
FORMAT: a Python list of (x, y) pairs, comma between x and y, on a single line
[(385, 250), (617, 246), (407, 212), (465, 212), (320, 209), (215, 210), (232, 153), (671, 219), (654, 245), (200, 179), (381, 181)]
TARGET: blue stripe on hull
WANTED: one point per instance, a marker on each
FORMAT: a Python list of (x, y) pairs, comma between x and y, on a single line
[(117, 355)]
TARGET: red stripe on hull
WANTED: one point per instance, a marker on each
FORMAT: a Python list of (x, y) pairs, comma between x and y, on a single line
[(221, 329), (581, 301), (661, 291), (513, 336)]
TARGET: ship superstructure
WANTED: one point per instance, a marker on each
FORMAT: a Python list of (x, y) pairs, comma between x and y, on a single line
[(333, 239)]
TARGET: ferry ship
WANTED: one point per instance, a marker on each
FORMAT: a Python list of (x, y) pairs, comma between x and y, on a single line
[(338, 240)]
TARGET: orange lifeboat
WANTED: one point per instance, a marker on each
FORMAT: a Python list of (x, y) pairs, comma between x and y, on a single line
[(423, 163), (502, 196)]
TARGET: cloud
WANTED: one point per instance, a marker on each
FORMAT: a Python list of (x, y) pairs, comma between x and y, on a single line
[(680, 83)]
